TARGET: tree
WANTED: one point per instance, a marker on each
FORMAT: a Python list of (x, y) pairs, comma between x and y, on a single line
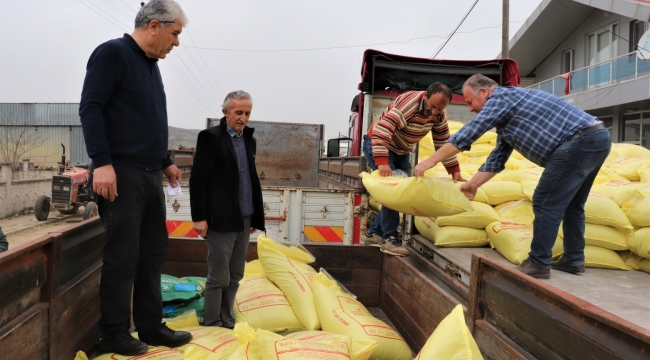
[(18, 137)]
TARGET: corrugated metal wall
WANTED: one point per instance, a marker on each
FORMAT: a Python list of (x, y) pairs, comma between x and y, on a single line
[(52, 124)]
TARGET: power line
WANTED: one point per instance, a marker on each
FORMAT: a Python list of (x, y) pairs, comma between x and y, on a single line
[(109, 15), (202, 74), (192, 73), (107, 19), (402, 42), (182, 79), (118, 9), (452, 34), (129, 6), (204, 63)]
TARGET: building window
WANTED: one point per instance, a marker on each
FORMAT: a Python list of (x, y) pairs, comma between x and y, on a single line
[(637, 28), (567, 61), (636, 128), (601, 44)]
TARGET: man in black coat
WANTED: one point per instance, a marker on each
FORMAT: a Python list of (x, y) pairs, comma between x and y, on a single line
[(226, 202)]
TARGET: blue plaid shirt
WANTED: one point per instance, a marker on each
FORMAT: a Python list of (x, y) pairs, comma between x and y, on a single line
[(533, 122)]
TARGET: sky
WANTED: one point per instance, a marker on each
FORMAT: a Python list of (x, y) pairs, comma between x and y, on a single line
[(299, 59)]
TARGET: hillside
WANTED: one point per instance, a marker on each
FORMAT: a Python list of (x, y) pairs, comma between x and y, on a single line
[(184, 137)]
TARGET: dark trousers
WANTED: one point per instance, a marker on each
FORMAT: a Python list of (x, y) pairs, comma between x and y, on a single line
[(136, 245), (226, 261)]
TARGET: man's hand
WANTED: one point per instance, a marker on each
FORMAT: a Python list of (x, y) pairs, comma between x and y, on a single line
[(174, 176), (469, 190), (457, 177), (201, 227), (105, 182), (385, 170), (253, 230), (423, 166)]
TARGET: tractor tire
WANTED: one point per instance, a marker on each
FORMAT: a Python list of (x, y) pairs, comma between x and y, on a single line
[(74, 210), (42, 208), (90, 210)]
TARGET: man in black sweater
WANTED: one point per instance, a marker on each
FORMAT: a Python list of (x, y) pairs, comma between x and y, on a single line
[(226, 203), (123, 114)]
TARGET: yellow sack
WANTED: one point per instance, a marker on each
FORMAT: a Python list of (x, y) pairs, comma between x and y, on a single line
[(644, 174), (294, 278), (154, 353), (451, 340), (644, 265), (294, 252), (520, 212), (274, 346), (528, 187), (479, 218), (630, 259), (479, 150), (620, 191), (454, 125), (208, 342), (262, 305), (374, 204), (247, 349), (182, 321), (468, 170), (629, 150), (496, 192), (637, 209), (597, 257), (611, 173), (421, 197), (253, 268), (639, 242), (531, 174), (475, 160), (486, 138), (450, 236), (526, 164), (517, 155), (628, 167), (361, 349), (426, 147), (603, 236), (602, 210), (513, 241), (341, 313)]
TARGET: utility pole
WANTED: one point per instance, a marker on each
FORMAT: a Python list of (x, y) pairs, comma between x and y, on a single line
[(505, 37)]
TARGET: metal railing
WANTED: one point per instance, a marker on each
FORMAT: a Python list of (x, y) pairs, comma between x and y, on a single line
[(613, 71)]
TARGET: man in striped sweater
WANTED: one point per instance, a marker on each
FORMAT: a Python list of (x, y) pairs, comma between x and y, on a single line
[(389, 142)]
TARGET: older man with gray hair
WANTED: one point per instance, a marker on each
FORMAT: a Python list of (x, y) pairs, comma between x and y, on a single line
[(569, 143), (226, 203), (123, 113)]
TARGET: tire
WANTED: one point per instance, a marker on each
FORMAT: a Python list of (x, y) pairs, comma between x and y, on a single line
[(74, 210), (42, 208), (90, 210)]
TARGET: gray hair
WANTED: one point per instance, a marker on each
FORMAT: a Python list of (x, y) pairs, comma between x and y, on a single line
[(478, 81), (237, 94), (159, 10)]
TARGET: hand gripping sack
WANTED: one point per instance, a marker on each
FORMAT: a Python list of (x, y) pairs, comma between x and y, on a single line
[(262, 305), (451, 340), (450, 236), (341, 313), (423, 196), (294, 278)]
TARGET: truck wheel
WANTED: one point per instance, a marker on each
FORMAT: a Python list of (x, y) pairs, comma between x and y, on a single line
[(68, 212), (42, 208), (90, 210)]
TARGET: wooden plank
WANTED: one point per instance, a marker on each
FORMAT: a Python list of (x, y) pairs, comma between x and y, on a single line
[(74, 312), (21, 279), (495, 345), (26, 336), (402, 323), (81, 248)]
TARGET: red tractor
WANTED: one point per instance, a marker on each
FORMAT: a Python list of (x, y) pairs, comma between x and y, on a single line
[(71, 189)]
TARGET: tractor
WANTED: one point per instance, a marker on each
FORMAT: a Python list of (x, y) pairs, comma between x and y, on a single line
[(71, 189)]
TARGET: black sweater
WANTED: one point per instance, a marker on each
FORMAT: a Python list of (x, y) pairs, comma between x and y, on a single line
[(123, 108), (214, 182)]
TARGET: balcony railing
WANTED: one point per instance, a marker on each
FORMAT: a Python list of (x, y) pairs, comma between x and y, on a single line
[(614, 71)]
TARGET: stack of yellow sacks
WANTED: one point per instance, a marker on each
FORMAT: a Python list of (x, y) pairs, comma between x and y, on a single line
[(617, 212)]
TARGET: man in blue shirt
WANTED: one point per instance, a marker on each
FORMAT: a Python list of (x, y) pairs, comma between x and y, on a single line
[(123, 113), (571, 144)]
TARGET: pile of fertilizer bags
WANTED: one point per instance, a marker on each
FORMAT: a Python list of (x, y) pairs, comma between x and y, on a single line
[(617, 213), (286, 310)]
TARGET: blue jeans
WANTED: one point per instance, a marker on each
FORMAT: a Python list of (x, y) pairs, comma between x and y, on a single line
[(561, 196), (387, 221)]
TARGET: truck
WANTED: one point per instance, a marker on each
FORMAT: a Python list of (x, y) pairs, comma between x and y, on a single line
[(50, 308)]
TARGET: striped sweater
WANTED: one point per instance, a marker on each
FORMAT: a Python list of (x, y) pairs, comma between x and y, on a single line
[(403, 124)]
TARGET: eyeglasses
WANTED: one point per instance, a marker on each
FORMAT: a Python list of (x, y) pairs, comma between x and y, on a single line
[(167, 21)]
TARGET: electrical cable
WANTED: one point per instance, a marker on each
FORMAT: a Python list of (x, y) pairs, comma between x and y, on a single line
[(453, 32)]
